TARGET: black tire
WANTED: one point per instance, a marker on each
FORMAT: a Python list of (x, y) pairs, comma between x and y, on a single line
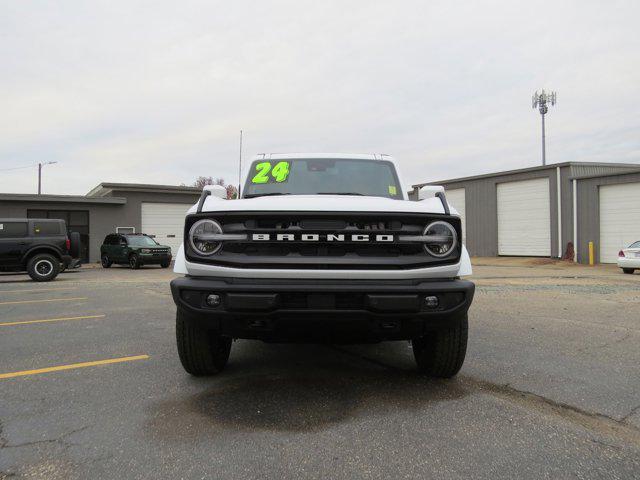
[(105, 261), (74, 244), (43, 267), (629, 270), (441, 353), (134, 261), (165, 264), (202, 352)]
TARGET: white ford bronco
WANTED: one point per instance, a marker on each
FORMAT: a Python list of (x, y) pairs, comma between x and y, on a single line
[(322, 248)]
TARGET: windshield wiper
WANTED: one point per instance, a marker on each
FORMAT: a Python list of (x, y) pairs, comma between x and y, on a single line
[(341, 193), (272, 194)]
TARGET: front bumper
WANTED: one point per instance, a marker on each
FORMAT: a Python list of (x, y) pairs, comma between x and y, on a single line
[(337, 310), (151, 258), (629, 262)]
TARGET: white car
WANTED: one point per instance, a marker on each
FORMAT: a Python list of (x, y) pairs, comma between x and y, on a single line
[(629, 258), (322, 248)]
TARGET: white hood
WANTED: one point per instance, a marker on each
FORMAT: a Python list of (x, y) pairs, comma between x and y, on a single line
[(321, 203)]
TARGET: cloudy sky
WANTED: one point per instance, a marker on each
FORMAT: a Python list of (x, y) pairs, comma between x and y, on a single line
[(157, 91)]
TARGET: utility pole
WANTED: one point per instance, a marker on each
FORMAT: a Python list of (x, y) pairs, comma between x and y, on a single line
[(40, 165), (540, 101), (240, 166)]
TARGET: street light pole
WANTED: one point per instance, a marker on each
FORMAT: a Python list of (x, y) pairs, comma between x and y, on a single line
[(40, 175), (240, 166), (540, 101)]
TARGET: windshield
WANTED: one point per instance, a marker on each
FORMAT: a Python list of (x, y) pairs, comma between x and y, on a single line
[(322, 176), (141, 241)]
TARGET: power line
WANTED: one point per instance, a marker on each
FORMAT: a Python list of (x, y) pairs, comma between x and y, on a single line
[(18, 168)]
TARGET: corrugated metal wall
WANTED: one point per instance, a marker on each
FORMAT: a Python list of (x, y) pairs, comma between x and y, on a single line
[(481, 205), (482, 209), (589, 211)]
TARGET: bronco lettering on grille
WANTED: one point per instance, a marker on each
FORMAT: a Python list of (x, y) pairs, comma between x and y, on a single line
[(316, 237)]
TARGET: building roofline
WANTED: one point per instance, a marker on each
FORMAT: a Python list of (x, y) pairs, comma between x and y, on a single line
[(32, 197), (106, 187), (528, 169), (610, 174)]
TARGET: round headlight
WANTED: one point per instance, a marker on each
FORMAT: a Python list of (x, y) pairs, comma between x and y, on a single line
[(443, 239), (200, 237)]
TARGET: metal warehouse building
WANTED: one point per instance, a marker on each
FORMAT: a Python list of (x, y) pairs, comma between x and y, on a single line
[(538, 211), (157, 210)]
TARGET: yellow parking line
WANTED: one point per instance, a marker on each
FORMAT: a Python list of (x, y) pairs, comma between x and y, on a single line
[(72, 366), (38, 290), (42, 301), (25, 322)]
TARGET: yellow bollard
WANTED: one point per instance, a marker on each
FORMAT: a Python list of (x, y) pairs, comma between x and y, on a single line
[(591, 256)]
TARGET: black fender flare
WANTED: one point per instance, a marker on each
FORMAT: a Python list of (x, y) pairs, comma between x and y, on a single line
[(41, 249)]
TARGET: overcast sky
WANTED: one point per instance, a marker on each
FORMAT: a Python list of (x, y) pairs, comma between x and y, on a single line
[(156, 92)]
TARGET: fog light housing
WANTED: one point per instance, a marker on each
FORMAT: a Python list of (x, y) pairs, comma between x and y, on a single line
[(431, 301), (213, 300)]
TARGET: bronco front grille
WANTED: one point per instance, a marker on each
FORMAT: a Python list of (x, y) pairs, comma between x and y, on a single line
[(309, 240)]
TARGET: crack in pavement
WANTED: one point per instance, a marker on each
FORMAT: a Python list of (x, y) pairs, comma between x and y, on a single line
[(598, 423), (633, 411), (4, 444)]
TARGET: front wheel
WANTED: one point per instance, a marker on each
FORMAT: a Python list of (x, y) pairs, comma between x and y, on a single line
[(134, 261), (202, 352), (43, 267), (105, 261), (628, 270), (441, 353)]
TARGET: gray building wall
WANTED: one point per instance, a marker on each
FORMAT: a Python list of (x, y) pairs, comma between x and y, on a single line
[(103, 218), (132, 214), (481, 205), (482, 209), (589, 211)]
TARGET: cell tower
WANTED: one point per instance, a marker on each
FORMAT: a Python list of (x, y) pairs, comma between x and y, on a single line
[(540, 101)]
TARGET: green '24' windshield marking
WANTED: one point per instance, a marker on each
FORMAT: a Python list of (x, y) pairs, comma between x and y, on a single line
[(279, 173)]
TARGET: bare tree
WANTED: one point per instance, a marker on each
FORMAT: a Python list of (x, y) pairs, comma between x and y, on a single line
[(202, 181), (232, 190)]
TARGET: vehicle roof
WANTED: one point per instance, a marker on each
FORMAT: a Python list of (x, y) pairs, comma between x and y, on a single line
[(31, 219), (344, 156), (130, 234)]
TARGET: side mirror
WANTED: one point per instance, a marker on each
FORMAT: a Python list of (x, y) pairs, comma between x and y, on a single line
[(430, 191), (217, 191)]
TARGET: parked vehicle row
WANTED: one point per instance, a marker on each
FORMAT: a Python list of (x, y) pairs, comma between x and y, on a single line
[(41, 247), (133, 249), (629, 258)]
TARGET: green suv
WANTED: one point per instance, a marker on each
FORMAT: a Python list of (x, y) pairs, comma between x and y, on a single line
[(135, 250)]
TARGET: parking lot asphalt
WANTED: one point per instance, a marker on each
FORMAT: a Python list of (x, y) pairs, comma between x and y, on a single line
[(91, 387)]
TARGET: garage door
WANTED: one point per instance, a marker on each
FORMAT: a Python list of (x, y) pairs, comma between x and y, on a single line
[(455, 198), (619, 219), (524, 218), (165, 221)]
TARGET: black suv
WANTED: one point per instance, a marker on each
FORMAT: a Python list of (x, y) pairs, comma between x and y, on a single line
[(133, 249), (39, 246)]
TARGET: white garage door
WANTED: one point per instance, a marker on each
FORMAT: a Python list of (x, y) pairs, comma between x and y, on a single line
[(165, 221), (619, 219), (524, 218), (455, 198)]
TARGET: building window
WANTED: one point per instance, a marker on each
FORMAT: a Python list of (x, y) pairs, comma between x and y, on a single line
[(125, 230), (76, 221)]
